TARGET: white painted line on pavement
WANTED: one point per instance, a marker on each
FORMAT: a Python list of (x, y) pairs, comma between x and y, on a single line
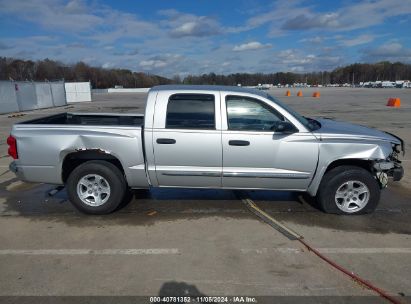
[(329, 250), (153, 251), (268, 250)]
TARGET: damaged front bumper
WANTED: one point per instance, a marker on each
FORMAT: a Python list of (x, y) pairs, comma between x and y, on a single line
[(397, 173), (391, 166), (388, 168)]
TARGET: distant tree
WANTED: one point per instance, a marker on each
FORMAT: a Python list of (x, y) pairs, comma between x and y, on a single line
[(46, 70), (176, 79)]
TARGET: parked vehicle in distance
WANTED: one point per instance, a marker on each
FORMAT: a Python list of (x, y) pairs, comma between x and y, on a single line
[(206, 137)]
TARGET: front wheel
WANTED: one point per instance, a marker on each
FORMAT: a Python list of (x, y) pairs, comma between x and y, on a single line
[(348, 190), (96, 187)]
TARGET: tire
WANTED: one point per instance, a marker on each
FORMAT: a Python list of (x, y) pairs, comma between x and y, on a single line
[(108, 189), (348, 190)]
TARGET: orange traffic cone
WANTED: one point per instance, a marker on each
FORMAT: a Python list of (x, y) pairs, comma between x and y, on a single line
[(300, 94), (394, 102), (316, 94), (287, 93)]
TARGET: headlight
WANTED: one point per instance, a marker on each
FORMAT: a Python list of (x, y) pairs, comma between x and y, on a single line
[(397, 148)]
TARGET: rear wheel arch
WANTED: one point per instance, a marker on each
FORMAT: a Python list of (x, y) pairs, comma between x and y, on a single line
[(77, 158)]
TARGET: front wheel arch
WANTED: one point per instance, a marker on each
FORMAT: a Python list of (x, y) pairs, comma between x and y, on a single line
[(313, 188), (366, 164)]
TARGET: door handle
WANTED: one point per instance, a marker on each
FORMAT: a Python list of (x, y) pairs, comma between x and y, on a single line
[(166, 141), (239, 143)]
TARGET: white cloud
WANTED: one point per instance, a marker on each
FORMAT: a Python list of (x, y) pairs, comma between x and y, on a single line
[(254, 45), (77, 18), (362, 39), (73, 16), (388, 49), (315, 40), (294, 57), (107, 65), (298, 61), (158, 62), (189, 25), (307, 21), (391, 51), (297, 69), (198, 28)]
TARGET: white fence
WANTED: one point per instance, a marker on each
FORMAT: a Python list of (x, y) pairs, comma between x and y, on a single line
[(8, 98), (78, 91), (18, 96)]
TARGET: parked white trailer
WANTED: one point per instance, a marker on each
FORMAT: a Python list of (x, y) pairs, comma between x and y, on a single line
[(388, 84)]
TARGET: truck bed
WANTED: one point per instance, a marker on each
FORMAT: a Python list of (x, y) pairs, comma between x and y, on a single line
[(44, 143), (90, 119)]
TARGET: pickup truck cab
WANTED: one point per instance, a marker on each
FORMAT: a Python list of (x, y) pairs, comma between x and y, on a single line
[(206, 137)]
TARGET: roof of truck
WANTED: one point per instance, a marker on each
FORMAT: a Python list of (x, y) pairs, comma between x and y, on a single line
[(179, 87)]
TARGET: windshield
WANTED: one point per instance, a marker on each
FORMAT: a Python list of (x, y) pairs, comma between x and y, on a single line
[(309, 123)]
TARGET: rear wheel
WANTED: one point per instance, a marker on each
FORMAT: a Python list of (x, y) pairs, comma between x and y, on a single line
[(348, 190), (96, 187)]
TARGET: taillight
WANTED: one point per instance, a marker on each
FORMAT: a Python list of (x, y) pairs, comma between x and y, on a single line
[(11, 141)]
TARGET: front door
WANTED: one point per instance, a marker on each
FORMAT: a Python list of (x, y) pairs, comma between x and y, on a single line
[(255, 157), (187, 147)]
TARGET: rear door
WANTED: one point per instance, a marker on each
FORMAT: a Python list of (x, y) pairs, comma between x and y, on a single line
[(187, 139)]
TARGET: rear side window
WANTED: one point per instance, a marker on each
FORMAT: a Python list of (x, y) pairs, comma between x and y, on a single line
[(191, 111)]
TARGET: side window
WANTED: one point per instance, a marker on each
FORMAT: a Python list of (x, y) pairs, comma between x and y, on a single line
[(191, 111), (250, 114)]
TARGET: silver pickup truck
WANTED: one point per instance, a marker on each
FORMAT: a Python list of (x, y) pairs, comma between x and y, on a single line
[(206, 137)]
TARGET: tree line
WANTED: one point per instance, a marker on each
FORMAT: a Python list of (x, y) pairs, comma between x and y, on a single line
[(354, 73), (49, 70)]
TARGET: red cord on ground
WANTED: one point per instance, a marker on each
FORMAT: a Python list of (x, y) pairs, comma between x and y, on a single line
[(381, 292)]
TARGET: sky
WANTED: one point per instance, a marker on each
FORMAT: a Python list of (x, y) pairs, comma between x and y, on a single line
[(194, 37)]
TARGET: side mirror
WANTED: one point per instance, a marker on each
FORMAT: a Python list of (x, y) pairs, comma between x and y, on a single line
[(284, 127)]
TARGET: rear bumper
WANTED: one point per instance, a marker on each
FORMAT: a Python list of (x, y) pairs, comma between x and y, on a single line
[(13, 167), (36, 174), (17, 170)]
